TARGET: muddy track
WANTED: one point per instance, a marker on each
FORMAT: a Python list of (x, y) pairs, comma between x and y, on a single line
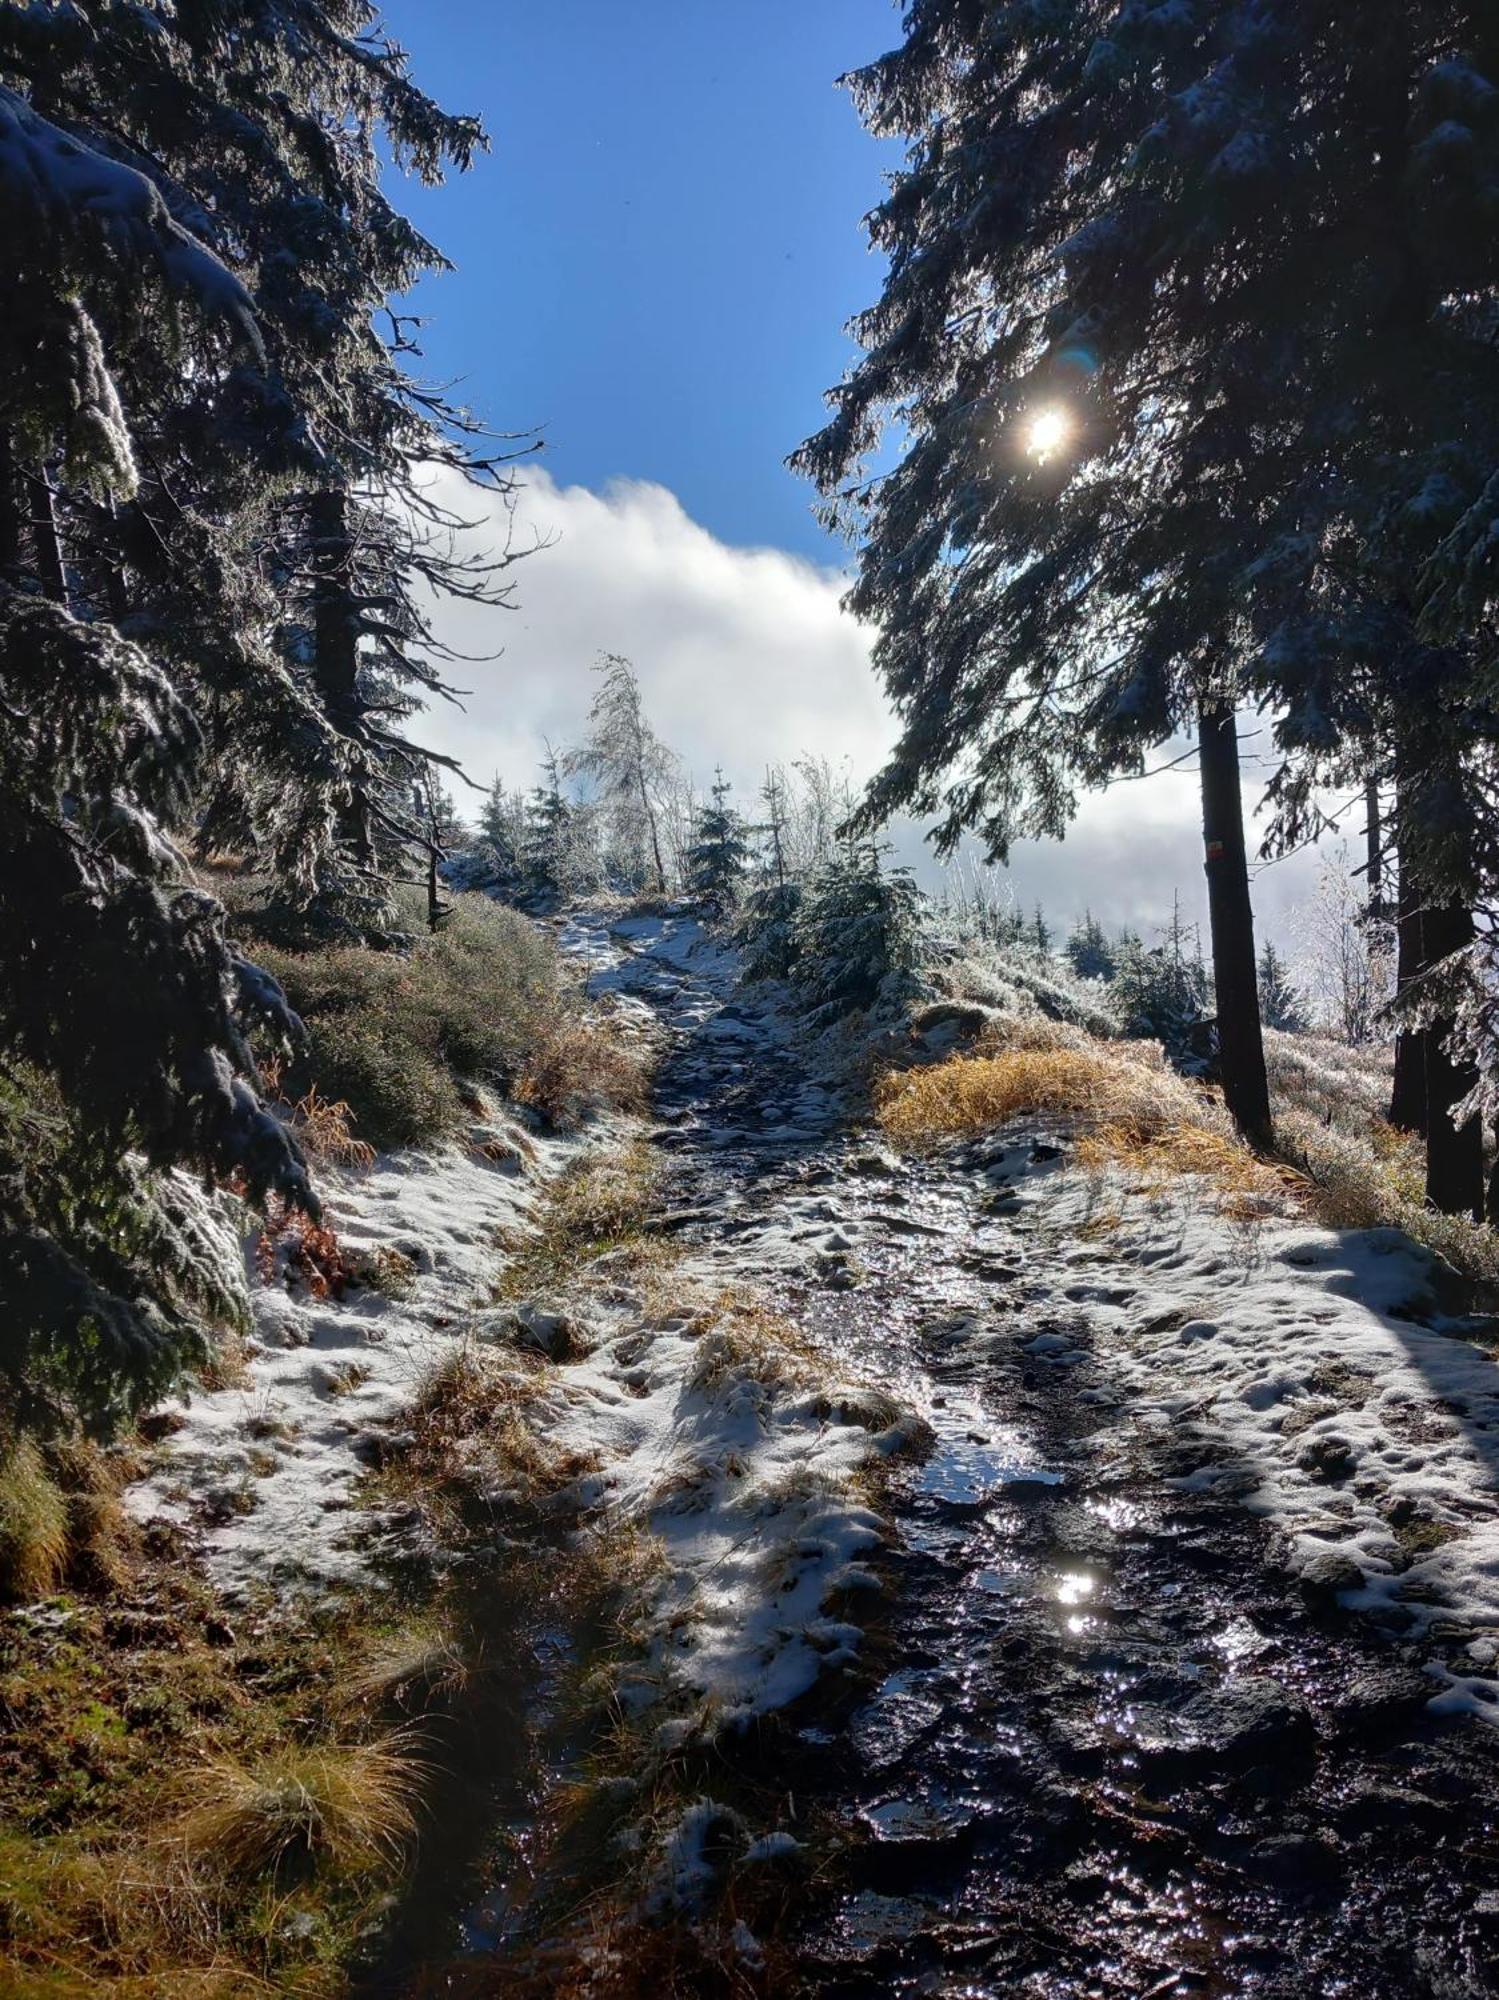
[(1113, 1750)]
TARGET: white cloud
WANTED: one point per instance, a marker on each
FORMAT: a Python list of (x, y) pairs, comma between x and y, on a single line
[(746, 657)]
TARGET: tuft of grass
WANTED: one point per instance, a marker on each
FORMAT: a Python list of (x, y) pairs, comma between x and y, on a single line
[(582, 1066), (416, 1670), (324, 1126), (1376, 1179), (1114, 1087), (344, 1806), (602, 1203), (35, 1541)]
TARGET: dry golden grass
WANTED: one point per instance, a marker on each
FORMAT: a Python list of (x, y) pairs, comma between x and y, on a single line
[(1129, 1111), (417, 1669), (1249, 1185), (582, 1066), (345, 1806), (323, 1125), (34, 1526), (603, 1203), (1098, 1085)]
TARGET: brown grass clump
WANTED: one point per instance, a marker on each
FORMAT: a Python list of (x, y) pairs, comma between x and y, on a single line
[(601, 1204), (342, 1805), (1130, 1112), (1098, 1085), (34, 1525), (580, 1067), (1250, 1184), (418, 1669)]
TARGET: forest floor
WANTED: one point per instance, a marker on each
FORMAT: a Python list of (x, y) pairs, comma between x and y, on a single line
[(1028, 1579)]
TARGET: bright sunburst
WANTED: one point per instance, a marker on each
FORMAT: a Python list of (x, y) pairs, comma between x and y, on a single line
[(1048, 432)]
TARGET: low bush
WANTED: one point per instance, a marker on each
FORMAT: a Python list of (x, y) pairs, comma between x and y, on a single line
[(395, 1036)]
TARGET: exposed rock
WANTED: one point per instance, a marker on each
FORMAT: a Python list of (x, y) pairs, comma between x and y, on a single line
[(1327, 1576), (1241, 1720), (1329, 1459)]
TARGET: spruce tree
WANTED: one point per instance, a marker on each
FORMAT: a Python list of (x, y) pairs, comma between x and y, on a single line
[(190, 656), (1281, 1005), (1088, 950), (548, 834), (1161, 464), (719, 857), (628, 763)]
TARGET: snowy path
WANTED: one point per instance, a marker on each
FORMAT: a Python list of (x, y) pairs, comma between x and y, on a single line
[(1120, 1746)]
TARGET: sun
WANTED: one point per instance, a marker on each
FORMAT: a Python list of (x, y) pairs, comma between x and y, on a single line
[(1048, 432)]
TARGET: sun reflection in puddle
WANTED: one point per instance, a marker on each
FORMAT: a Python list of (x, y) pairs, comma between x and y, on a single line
[(1240, 1641), (1075, 1587)]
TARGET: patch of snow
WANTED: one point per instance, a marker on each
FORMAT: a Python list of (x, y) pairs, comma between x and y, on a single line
[(265, 1472), (1331, 1394)]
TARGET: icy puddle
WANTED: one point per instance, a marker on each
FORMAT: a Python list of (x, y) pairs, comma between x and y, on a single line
[(973, 1458)]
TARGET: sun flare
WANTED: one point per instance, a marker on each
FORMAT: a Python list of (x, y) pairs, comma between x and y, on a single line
[(1048, 432)]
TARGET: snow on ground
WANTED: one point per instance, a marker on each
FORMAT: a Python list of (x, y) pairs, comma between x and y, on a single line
[(1332, 1393), (707, 1430), (748, 1479), (706, 1438), (264, 1472)]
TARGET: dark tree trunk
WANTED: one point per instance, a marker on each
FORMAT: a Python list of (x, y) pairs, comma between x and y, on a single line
[(335, 635), (46, 547), (335, 639), (1454, 1153), (10, 514), (1408, 1097), (1246, 1090), (1374, 850)]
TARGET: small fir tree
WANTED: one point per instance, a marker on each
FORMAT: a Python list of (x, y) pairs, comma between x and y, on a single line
[(1281, 1005), (1088, 950), (719, 856)]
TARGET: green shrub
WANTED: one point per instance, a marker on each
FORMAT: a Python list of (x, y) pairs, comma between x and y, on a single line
[(397, 1034)]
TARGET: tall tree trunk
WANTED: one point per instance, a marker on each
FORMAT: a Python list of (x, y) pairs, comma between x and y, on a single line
[(1454, 1153), (10, 513), (335, 643), (1408, 1096), (1246, 1089), (650, 819), (46, 547), (1374, 851)]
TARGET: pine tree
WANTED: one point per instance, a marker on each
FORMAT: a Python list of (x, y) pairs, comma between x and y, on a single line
[(1140, 417), (719, 857), (1281, 1006), (1161, 992), (1088, 950), (548, 834), (773, 798), (628, 762), (1039, 933), (198, 244)]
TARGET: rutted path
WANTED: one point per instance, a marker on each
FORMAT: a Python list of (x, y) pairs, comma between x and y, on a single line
[(1115, 1750)]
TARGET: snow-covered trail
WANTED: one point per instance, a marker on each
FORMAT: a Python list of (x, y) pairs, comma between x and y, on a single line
[(1118, 1747)]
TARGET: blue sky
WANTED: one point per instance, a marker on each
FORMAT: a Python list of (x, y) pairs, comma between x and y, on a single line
[(655, 264), (657, 259)]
